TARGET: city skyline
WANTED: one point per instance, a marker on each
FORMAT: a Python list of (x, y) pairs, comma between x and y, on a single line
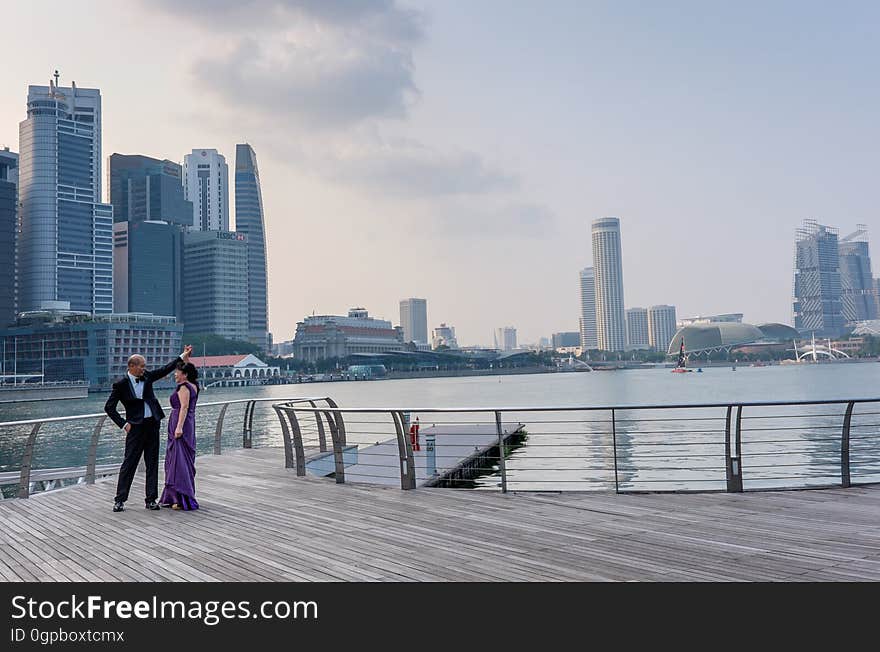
[(407, 165)]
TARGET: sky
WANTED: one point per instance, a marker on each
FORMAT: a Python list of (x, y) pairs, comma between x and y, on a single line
[(458, 151)]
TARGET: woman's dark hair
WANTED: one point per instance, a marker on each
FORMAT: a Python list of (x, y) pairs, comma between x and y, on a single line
[(192, 374)]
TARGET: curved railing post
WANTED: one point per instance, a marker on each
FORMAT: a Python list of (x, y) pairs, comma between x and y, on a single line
[(296, 431), (322, 436), (501, 461), (404, 447), (844, 446), (338, 436), (24, 482), (93, 451), (218, 433), (340, 424), (285, 435), (733, 458), (247, 425)]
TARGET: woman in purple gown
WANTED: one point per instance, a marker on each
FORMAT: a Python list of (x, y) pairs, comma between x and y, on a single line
[(180, 454)]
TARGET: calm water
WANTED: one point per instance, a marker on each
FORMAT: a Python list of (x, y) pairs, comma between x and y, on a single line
[(565, 449)]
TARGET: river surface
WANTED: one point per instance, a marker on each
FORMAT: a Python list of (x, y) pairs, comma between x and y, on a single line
[(565, 450)]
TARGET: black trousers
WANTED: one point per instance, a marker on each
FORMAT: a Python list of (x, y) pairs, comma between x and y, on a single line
[(143, 438)]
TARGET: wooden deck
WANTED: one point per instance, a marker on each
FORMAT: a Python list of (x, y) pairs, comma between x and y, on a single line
[(260, 522)]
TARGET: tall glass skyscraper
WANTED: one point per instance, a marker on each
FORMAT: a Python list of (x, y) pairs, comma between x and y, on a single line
[(249, 220), (8, 236), (856, 280), (144, 188), (206, 185), (66, 245), (149, 214), (587, 321), (818, 306), (608, 267)]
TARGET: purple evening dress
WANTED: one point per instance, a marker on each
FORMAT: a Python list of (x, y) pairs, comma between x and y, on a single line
[(180, 455)]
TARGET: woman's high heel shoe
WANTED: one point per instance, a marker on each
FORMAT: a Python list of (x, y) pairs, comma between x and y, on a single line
[(175, 506)]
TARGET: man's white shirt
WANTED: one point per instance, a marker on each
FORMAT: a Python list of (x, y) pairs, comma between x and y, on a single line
[(138, 388)]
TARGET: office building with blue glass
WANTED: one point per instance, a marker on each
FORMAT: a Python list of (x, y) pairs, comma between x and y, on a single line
[(150, 215), (65, 249), (8, 236), (249, 221)]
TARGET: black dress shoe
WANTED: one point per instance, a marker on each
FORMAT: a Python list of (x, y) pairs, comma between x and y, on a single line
[(118, 507), (152, 505)]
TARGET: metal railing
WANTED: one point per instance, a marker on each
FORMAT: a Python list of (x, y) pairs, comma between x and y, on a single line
[(628, 448), (28, 477)]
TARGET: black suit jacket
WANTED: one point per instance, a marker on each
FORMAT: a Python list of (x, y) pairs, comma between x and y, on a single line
[(134, 407)]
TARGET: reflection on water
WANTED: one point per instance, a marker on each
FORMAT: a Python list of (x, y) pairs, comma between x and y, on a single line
[(644, 450)]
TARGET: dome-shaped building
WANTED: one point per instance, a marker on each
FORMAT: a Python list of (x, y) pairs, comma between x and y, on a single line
[(714, 336), (778, 332)]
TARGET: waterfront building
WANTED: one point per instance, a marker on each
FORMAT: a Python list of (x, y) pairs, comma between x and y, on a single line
[(661, 326), (8, 236), (443, 336), (414, 320), (334, 336), (505, 338), (637, 336), (730, 317), (147, 189), (148, 272), (587, 320), (215, 286), (856, 281), (608, 269), (65, 248), (206, 185), (249, 220), (233, 370), (566, 339), (817, 305), (67, 345)]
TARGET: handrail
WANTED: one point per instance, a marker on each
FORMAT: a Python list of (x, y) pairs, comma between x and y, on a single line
[(26, 422), (595, 408), (90, 466), (489, 458)]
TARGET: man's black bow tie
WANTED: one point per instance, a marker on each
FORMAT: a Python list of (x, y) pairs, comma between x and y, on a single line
[(138, 379)]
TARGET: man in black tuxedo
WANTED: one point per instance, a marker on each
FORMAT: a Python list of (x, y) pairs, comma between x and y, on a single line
[(142, 417)]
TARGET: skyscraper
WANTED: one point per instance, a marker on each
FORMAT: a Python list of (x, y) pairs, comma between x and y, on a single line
[(856, 280), (608, 267), (414, 320), (206, 185), (66, 247), (661, 327), (637, 328), (148, 271), (818, 306), (215, 288), (250, 221), (8, 236), (144, 188), (587, 321), (505, 338), (149, 214)]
